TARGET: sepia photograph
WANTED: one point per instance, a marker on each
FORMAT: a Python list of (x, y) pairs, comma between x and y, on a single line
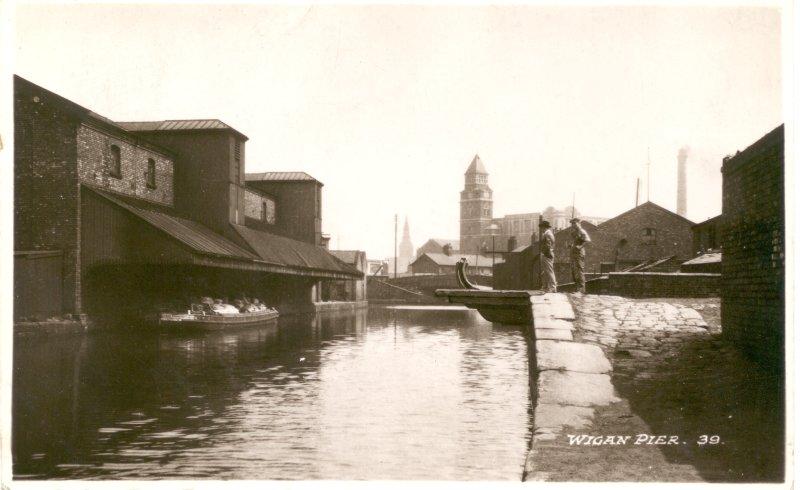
[(424, 242)]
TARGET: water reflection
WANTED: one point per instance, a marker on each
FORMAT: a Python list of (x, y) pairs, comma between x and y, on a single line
[(398, 394)]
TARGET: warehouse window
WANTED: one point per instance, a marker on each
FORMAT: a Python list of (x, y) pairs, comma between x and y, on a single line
[(268, 211), (116, 162), (151, 173), (237, 161)]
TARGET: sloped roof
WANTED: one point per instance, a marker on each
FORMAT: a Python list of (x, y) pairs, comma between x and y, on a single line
[(476, 167), (709, 258), (346, 256), (714, 219), (649, 204), (451, 260), (286, 254), (178, 125), (196, 236), (280, 176), (441, 242), (86, 115), (275, 249)]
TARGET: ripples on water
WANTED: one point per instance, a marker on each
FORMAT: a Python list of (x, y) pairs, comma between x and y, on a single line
[(388, 394)]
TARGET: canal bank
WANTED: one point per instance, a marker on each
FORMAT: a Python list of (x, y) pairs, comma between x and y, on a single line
[(648, 390)]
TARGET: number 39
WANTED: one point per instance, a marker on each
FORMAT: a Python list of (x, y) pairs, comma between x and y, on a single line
[(704, 439)]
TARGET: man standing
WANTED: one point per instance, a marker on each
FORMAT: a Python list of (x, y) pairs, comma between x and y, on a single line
[(577, 254), (547, 245)]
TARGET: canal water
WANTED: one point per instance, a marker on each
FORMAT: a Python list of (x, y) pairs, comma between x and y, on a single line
[(388, 393)]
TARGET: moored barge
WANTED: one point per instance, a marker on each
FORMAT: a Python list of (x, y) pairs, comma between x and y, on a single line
[(202, 320)]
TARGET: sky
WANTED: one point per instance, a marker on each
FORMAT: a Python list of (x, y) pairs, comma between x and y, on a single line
[(387, 105)]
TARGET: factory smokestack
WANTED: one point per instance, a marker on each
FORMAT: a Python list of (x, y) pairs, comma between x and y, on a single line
[(682, 154)]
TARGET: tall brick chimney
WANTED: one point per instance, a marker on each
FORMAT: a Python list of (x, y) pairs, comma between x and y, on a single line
[(682, 154)]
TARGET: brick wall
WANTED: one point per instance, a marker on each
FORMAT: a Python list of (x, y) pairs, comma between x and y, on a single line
[(296, 214), (94, 166), (519, 271), (619, 241), (752, 229), (656, 285), (253, 203), (705, 235), (622, 240), (204, 190), (46, 198)]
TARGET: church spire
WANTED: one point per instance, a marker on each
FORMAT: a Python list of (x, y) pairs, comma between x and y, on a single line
[(406, 247)]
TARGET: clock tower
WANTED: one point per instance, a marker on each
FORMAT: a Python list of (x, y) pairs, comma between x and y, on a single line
[(476, 207)]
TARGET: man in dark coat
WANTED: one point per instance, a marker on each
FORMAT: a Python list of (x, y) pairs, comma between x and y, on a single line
[(547, 249)]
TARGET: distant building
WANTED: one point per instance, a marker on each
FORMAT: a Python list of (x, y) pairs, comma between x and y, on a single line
[(339, 290), (405, 251), (706, 235), (645, 233), (377, 268), (559, 218), (440, 264), (517, 229), (439, 245), (476, 208), (514, 230)]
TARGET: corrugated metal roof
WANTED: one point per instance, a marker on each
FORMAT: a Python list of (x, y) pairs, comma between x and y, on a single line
[(276, 249), (272, 249), (281, 176), (191, 233), (177, 125)]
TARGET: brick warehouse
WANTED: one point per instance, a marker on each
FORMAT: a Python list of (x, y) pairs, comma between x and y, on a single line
[(753, 244), (118, 216)]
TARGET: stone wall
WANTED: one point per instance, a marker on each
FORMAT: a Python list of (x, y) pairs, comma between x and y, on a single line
[(433, 282), (753, 244), (656, 285), (381, 290)]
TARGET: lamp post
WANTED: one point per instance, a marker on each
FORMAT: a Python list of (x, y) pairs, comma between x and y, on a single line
[(492, 229), (395, 246)]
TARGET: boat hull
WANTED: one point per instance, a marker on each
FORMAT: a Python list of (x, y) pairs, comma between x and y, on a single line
[(216, 322)]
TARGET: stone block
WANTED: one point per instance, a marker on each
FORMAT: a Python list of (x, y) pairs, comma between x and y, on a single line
[(690, 314), (558, 416), (553, 334), (552, 323), (577, 389), (571, 356)]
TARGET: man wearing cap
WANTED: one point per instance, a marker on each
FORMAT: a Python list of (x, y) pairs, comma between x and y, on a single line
[(547, 245), (577, 253)]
